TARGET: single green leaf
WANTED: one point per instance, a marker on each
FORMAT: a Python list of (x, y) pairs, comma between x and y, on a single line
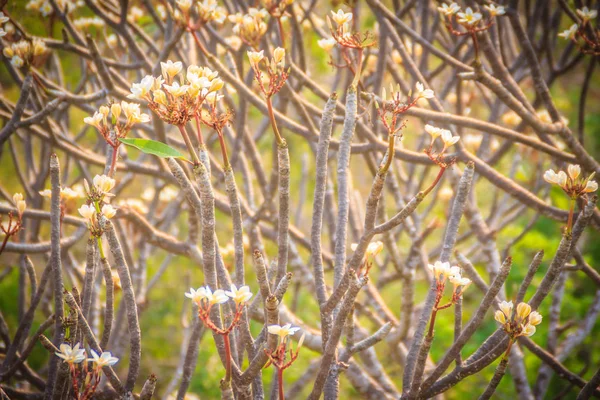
[(152, 147)]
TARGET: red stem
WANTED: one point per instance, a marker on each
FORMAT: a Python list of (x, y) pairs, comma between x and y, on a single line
[(4, 243), (280, 383), (228, 357), (113, 160), (437, 179)]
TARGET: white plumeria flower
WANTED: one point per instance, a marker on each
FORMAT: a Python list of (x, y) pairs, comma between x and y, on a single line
[(574, 171), (590, 187), (103, 183), (218, 297), (442, 270), (2, 32), (87, 211), (184, 5), (197, 295), (448, 139), (559, 178), (423, 93), (434, 131), (133, 113), (523, 311), (255, 57), (108, 211), (71, 355), (282, 331), (141, 90), (341, 17), (506, 307), (586, 14), (3, 18), (458, 280), (170, 68), (177, 90), (495, 10), (327, 44), (95, 121), (20, 203), (535, 318), (104, 360), (569, 33), (528, 330), (278, 55), (241, 295), (469, 17), (373, 248), (449, 10)]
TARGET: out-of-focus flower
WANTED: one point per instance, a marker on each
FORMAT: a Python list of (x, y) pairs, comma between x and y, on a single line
[(449, 10), (559, 178), (170, 69), (495, 10), (71, 355), (87, 211), (3, 18), (469, 17), (442, 271), (282, 331), (250, 27), (569, 33), (327, 44), (197, 295), (19, 203), (103, 360), (103, 184), (341, 17), (448, 139), (108, 211), (373, 248), (255, 57), (434, 131), (422, 93), (586, 14), (241, 295)]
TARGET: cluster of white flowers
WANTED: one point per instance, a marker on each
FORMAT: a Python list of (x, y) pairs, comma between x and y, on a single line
[(444, 134), (204, 296), (586, 15), (276, 63), (87, 23), (572, 183), (3, 20), (176, 102), (282, 331), (520, 323), (25, 52), (65, 193), (470, 18), (442, 271), (250, 27), (105, 125), (45, 7), (206, 10), (76, 355)]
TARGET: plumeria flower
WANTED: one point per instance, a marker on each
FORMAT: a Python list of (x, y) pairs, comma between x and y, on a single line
[(256, 57), (327, 44), (535, 318), (528, 330), (218, 297), (590, 187), (586, 14), (373, 248), (95, 121), (177, 90), (449, 10), (434, 131), (20, 203), (141, 89), (278, 55), (458, 280), (469, 17), (574, 171), (282, 331), (423, 93), (3, 18), (2, 32), (104, 360), (197, 295), (184, 5), (448, 139), (241, 295), (523, 311), (559, 178), (103, 183), (442, 270), (341, 17), (170, 69), (495, 10), (569, 33), (108, 211), (71, 355), (87, 211)]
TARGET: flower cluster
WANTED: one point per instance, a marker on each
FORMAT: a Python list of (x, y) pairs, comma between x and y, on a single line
[(109, 123), (250, 27), (442, 272), (45, 7), (205, 299), (373, 249), (340, 32), (392, 108), (276, 7), (25, 53), (276, 74), (88, 23), (74, 355), (177, 101), (447, 139), (521, 322), (96, 205), (572, 183), (206, 11), (590, 44)]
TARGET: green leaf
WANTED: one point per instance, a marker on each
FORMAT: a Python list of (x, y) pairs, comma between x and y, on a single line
[(152, 147)]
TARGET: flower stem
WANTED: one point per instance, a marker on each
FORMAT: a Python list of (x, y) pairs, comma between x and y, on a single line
[(223, 150), (99, 238), (113, 160), (358, 68), (437, 179), (280, 383), (188, 144), (571, 212), (4, 242), (434, 313), (507, 352), (278, 137), (390, 154), (228, 357)]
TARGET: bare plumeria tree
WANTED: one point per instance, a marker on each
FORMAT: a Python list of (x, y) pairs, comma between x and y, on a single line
[(152, 121)]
